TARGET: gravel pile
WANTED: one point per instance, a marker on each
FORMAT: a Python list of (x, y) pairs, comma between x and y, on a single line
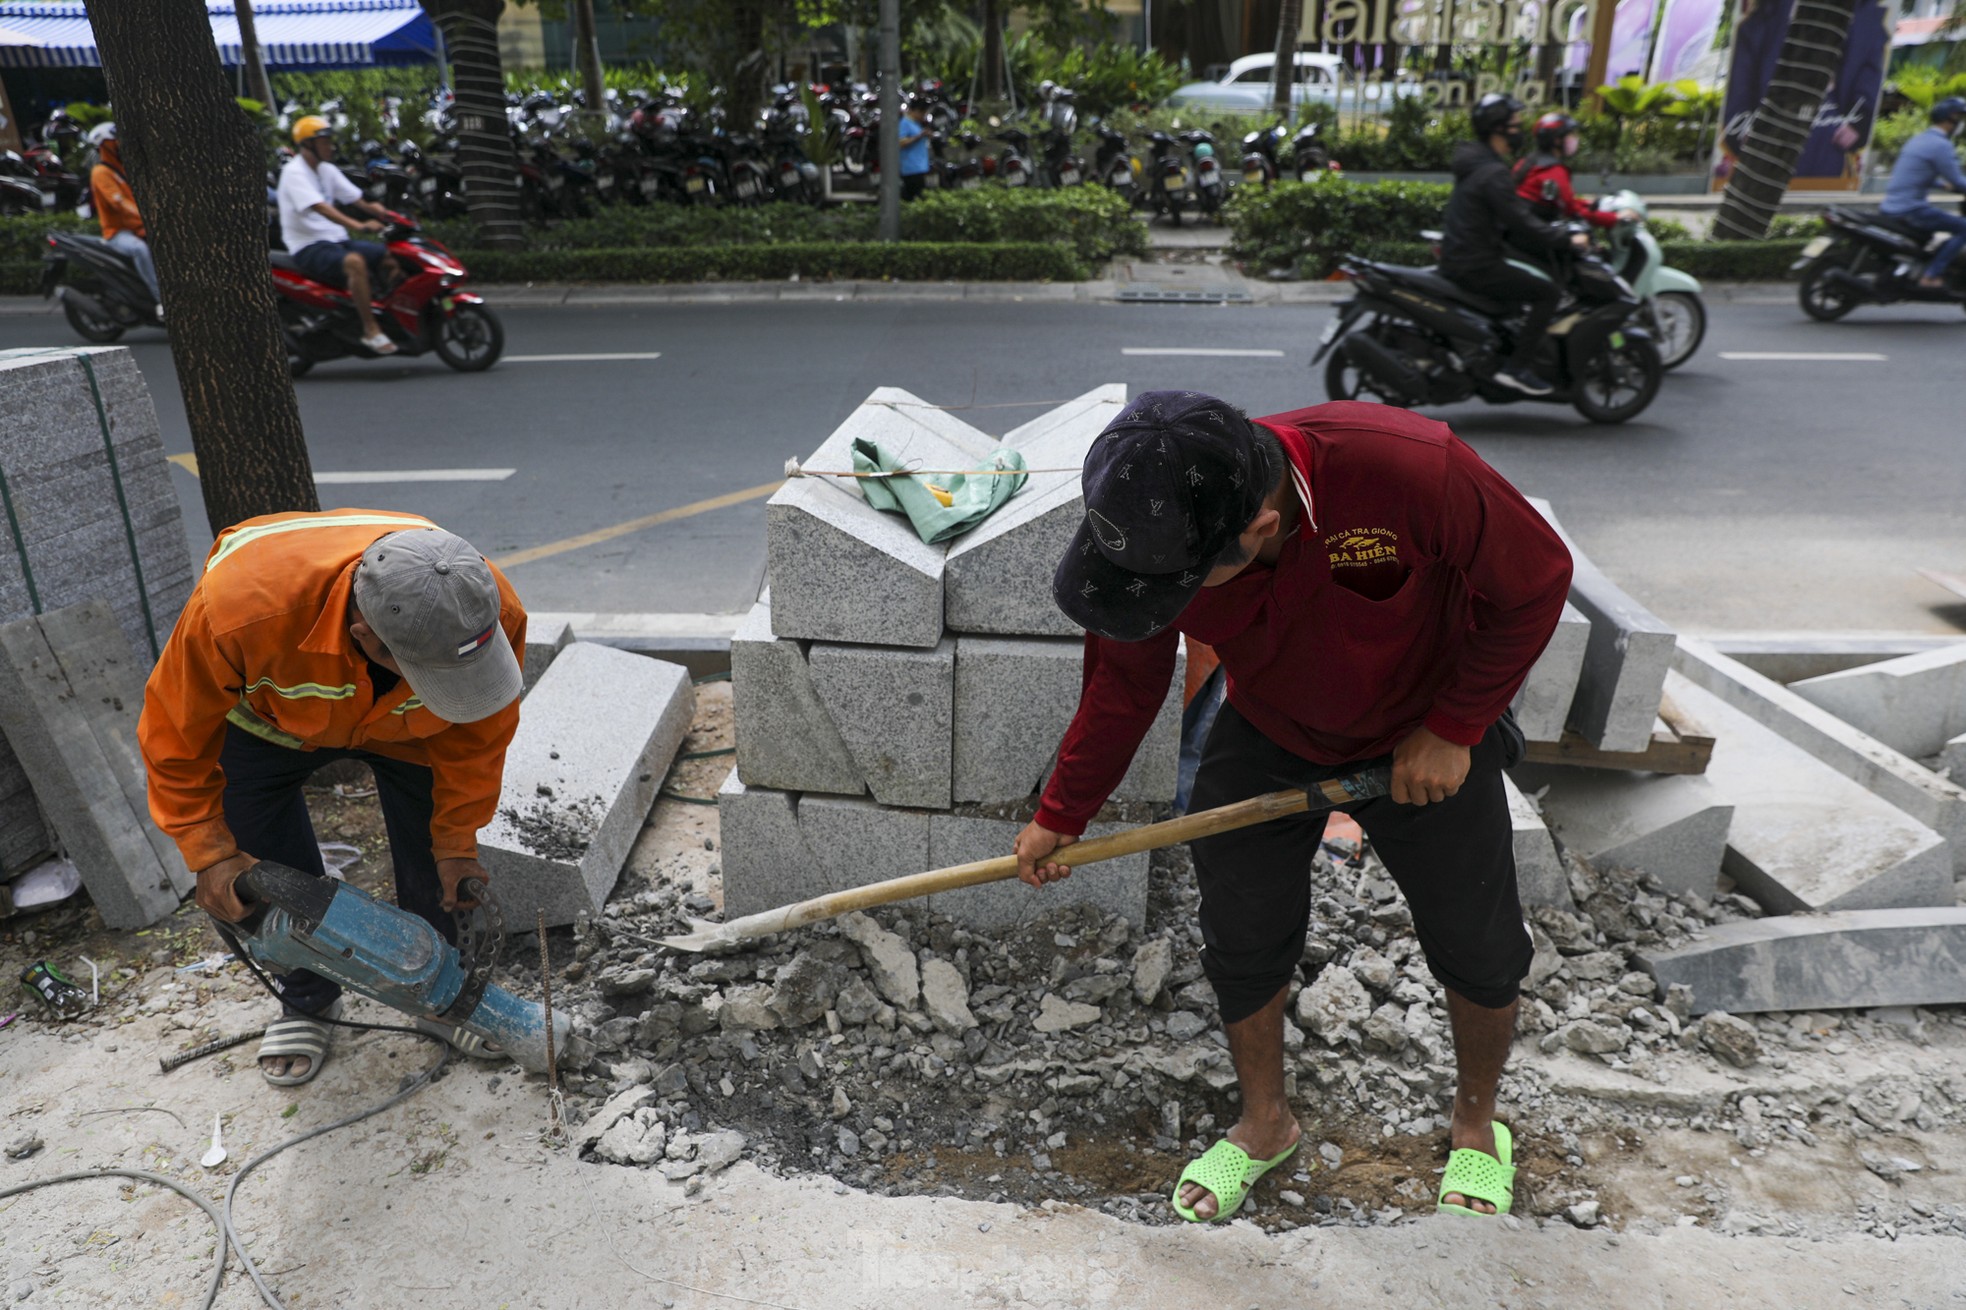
[(1079, 1059)]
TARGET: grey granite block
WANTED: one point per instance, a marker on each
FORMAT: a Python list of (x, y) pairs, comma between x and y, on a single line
[(1821, 961), (1114, 886), (596, 736), (786, 737), (545, 639), (1671, 826), (998, 577), (893, 708), (24, 837), (1015, 696), (78, 785), (1542, 704), (1914, 704), (1540, 878), (841, 570), (1805, 837), (1625, 661), (780, 848), (1935, 801)]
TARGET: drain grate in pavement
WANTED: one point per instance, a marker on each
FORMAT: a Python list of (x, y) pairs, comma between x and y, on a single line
[(1185, 296)]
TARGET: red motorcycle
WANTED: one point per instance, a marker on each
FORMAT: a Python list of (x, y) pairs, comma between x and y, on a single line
[(424, 311)]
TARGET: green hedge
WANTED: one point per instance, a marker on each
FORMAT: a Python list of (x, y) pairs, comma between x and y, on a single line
[(23, 239), (925, 261), (1309, 225), (1095, 223)]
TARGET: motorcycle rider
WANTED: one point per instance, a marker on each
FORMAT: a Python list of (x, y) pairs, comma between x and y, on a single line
[(1543, 179), (315, 198), (1928, 161), (116, 208), (1485, 220)]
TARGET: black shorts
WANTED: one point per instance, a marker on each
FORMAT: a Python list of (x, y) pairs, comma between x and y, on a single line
[(1453, 861), (322, 260)]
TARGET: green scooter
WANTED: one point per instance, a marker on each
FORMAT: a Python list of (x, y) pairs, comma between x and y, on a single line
[(1672, 306)]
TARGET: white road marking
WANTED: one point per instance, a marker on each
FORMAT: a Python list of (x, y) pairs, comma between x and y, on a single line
[(581, 359), (1201, 351), (413, 475), (1807, 356)]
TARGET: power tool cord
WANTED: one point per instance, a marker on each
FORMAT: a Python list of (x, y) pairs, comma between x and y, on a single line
[(222, 1219)]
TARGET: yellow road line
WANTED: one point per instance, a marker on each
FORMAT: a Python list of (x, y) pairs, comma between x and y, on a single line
[(189, 463), (600, 535)]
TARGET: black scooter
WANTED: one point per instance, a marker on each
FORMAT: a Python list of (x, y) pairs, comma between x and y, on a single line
[(1410, 337), (121, 301), (1869, 258)]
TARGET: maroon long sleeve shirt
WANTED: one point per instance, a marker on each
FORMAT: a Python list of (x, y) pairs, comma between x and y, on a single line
[(1417, 590)]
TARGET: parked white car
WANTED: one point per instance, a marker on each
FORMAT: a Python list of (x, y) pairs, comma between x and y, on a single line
[(1245, 88)]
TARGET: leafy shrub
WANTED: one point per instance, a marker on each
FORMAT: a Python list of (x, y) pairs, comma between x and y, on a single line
[(1796, 227), (23, 239), (913, 261), (1413, 138), (1891, 133), (1735, 261), (1096, 223), (1309, 225)]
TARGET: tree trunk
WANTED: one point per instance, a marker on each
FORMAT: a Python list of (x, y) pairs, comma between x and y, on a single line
[(989, 83), (198, 170), (1811, 52), (1284, 76), (587, 57), (745, 92), (484, 139), (256, 84)]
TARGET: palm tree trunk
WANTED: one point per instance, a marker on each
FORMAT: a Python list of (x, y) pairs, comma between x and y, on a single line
[(484, 139), (199, 172), (1811, 52)]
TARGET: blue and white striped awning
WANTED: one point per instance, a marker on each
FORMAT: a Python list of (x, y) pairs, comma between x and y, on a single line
[(292, 34)]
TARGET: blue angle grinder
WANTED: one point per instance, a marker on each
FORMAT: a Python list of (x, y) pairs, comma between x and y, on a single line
[(338, 931)]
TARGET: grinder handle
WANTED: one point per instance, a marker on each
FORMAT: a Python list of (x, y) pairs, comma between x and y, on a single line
[(305, 896)]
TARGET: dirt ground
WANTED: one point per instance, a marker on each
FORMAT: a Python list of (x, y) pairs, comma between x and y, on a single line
[(454, 1198)]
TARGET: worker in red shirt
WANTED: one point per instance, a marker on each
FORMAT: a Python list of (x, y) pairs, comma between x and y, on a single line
[(1373, 590), (1543, 178)]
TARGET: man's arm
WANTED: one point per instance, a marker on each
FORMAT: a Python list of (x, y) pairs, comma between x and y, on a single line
[(1121, 690), (1516, 218), (1518, 574), (180, 732)]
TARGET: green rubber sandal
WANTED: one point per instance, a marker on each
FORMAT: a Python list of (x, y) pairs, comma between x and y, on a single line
[(1480, 1176), (1228, 1171)]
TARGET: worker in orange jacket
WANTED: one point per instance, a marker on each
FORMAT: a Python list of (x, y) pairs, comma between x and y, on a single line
[(116, 208), (312, 638)]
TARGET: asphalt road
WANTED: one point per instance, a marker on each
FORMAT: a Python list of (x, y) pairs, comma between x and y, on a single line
[(1754, 494)]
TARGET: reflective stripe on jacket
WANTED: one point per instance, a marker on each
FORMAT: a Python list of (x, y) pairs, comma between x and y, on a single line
[(263, 643)]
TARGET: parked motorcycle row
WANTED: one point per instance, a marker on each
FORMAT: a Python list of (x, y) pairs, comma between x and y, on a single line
[(1411, 337)]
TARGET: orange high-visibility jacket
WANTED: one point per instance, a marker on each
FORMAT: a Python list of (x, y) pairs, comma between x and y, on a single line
[(263, 644), (115, 203)]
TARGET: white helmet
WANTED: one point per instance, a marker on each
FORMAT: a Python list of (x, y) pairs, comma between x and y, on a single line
[(102, 132)]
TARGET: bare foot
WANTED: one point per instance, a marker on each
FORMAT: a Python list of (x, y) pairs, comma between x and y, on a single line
[(283, 1066), (1262, 1139), (1477, 1137)]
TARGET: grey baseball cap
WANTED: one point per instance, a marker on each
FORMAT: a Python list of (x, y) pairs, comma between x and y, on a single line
[(433, 601)]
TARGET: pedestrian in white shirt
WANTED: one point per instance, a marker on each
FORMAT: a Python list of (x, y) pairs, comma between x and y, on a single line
[(315, 203)]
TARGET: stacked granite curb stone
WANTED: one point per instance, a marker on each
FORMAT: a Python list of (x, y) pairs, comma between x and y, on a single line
[(898, 705), (87, 513)]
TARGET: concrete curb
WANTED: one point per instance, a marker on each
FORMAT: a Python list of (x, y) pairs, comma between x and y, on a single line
[(1232, 289)]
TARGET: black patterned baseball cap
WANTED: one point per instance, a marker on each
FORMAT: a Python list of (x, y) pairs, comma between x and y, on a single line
[(1169, 485)]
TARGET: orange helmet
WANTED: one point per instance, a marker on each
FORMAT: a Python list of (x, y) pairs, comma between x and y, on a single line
[(310, 126)]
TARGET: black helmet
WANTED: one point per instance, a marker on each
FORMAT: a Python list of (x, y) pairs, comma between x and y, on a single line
[(1551, 128), (1492, 113), (1948, 108)]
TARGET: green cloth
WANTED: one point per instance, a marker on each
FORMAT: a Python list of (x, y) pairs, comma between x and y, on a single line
[(971, 500)]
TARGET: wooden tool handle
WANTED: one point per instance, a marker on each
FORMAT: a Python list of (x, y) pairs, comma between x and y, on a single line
[(1360, 786)]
